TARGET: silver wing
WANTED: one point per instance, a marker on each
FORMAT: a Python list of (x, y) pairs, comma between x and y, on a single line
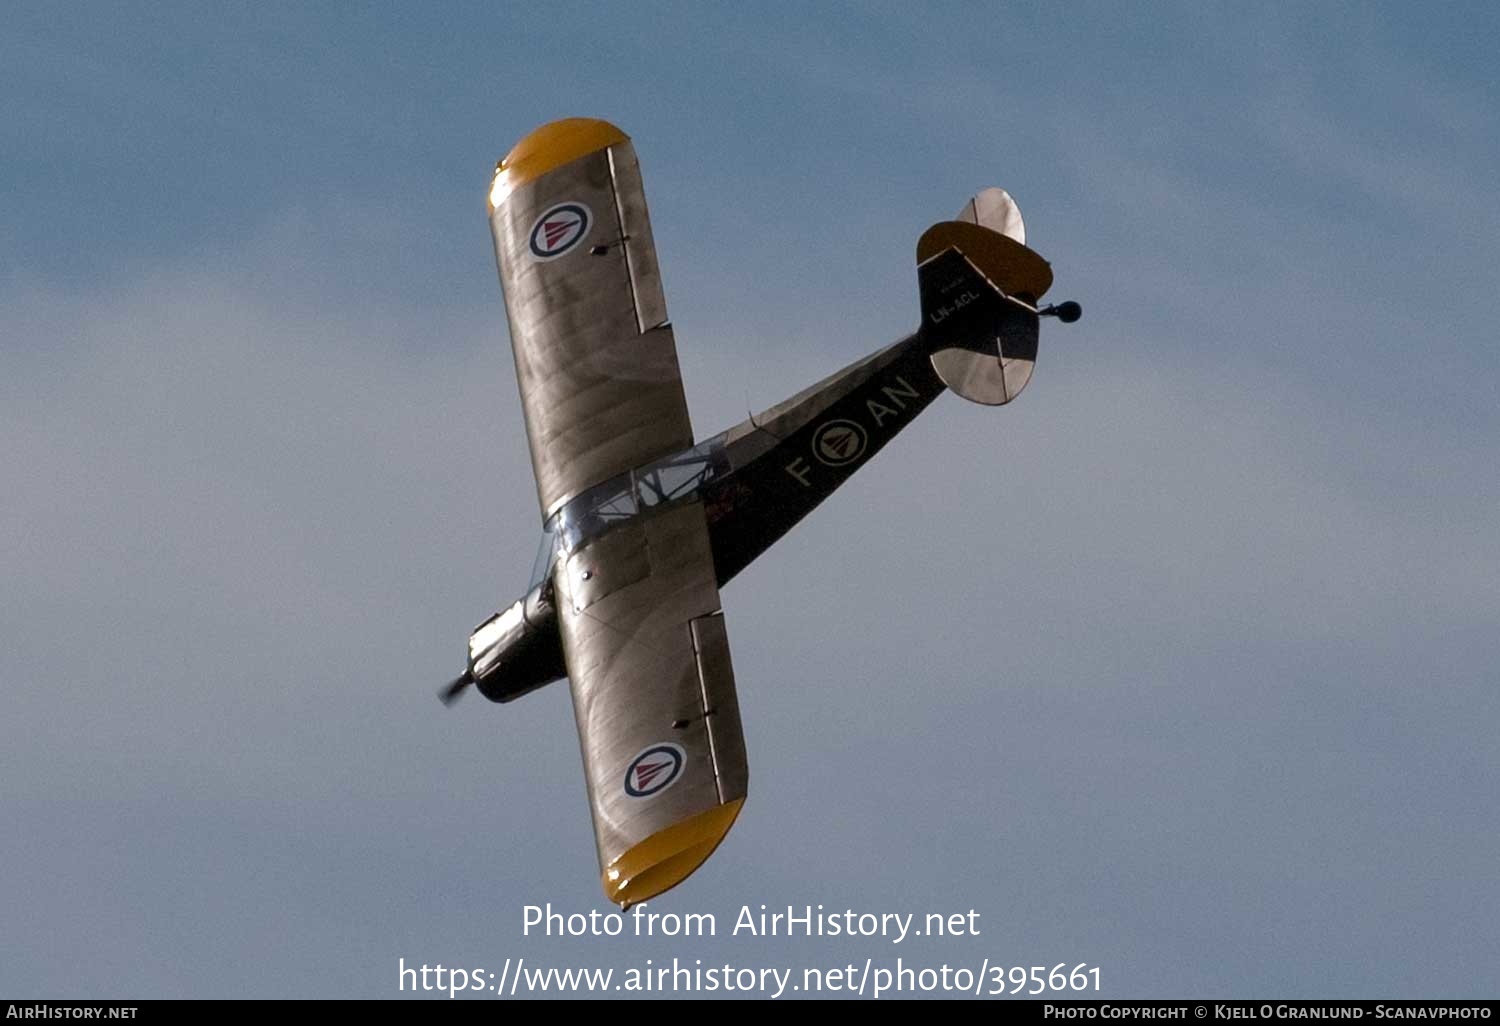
[(594, 353), (654, 699), (643, 635)]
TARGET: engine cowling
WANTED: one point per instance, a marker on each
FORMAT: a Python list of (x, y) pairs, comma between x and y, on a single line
[(518, 649)]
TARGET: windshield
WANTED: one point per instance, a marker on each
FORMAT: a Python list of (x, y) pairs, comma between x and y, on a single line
[(541, 567)]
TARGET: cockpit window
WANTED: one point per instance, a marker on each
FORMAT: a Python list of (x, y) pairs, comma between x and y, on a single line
[(595, 511), (681, 475), (623, 497)]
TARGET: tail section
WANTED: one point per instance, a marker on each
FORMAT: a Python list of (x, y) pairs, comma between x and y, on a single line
[(980, 285)]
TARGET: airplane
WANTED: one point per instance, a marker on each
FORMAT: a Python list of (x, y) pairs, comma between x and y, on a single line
[(641, 525)]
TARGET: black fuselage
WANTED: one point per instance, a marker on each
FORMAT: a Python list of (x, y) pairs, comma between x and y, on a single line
[(817, 443)]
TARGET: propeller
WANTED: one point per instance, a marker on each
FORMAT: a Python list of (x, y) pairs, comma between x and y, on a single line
[(449, 694)]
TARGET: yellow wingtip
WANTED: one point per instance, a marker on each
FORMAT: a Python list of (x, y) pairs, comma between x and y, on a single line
[(550, 146), (668, 857)]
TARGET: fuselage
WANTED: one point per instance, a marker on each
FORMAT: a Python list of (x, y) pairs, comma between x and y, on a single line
[(755, 482)]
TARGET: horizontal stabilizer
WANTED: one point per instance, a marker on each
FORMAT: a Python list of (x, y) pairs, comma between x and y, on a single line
[(1014, 269)]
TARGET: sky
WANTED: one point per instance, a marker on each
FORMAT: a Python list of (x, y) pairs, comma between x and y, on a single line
[(1182, 666)]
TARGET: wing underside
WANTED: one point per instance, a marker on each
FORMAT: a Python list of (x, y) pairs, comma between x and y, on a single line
[(654, 699), (595, 357), (638, 604)]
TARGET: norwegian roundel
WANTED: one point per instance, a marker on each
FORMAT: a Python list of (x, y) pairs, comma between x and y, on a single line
[(654, 770), (839, 442), (558, 230)]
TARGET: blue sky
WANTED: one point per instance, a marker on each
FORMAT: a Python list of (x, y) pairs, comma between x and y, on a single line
[(1182, 666)]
